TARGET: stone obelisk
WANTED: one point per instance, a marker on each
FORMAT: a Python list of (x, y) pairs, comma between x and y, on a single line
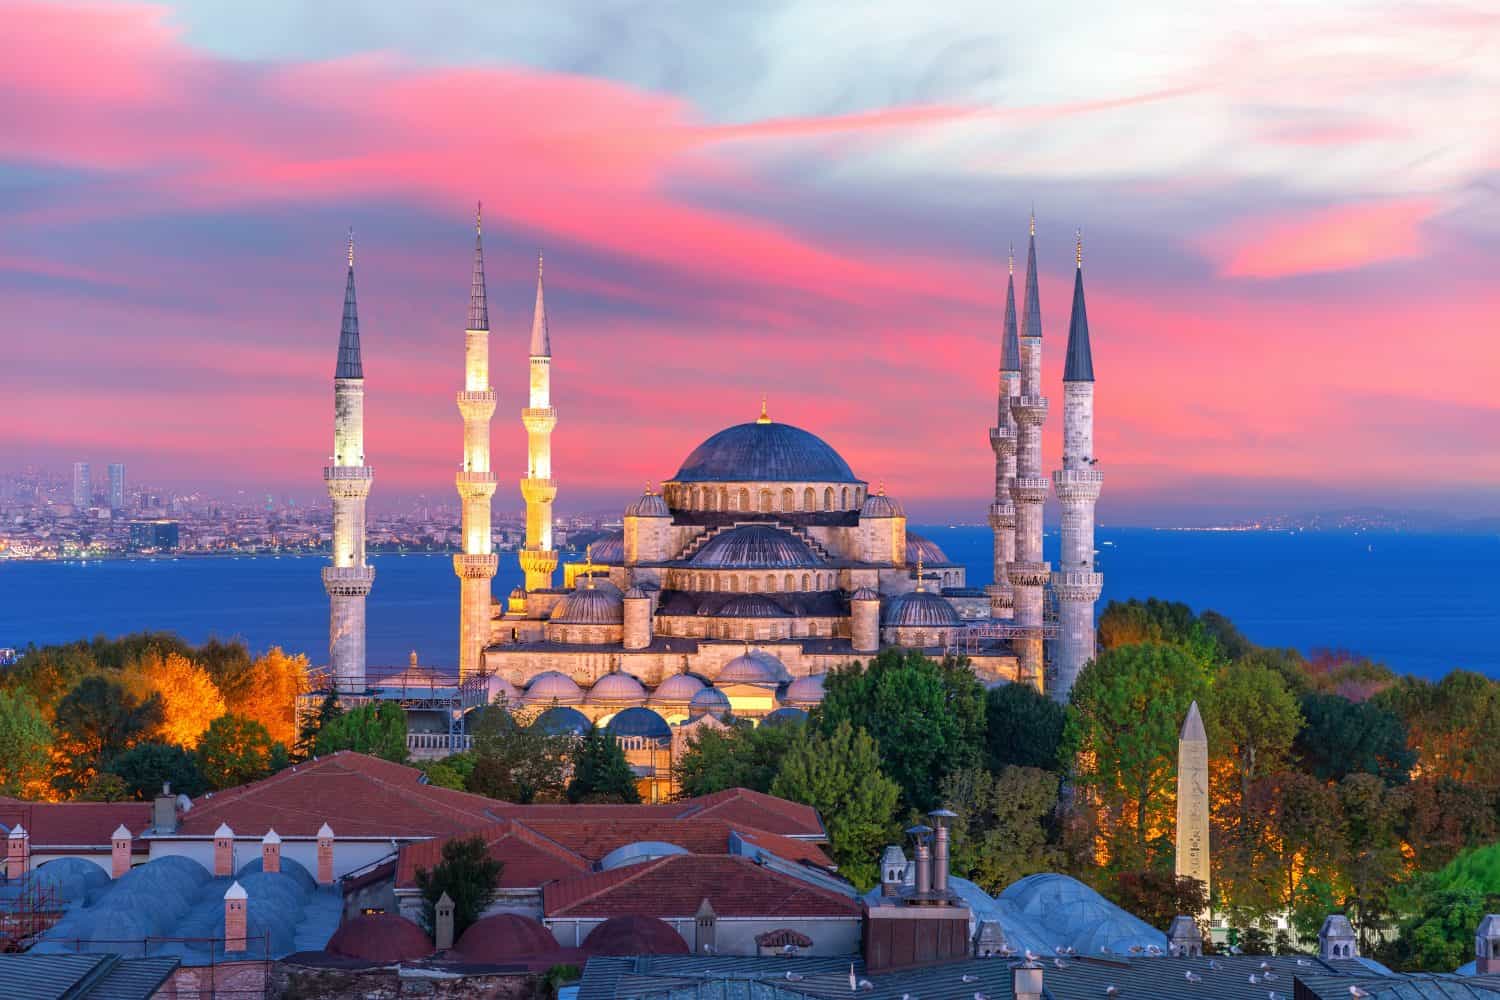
[(1192, 799)]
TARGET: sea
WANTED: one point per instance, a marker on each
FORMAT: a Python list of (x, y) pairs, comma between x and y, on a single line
[(1421, 603)]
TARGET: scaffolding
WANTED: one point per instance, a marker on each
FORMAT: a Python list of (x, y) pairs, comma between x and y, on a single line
[(415, 689)]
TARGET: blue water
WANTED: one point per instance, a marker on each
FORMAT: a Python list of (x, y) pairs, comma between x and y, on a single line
[(1423, 604)]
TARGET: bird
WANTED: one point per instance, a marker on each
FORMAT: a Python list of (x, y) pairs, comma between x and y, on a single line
[(1355, 991), (1031, 956), (981, 996), (1192, 976), (1254, 979), (907, 996), (1104, 949), (708, 949), (1213, 963), (1303, 961), (1007, 949), (865, 984), (969, 979), (1264, 965), (1111, 990), (793, 977), (1059, 963), (1153, 949)]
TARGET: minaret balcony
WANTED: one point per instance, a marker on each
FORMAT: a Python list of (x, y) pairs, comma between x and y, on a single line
[(1029, 489), (1003, 441), (1077, 485), (475, 485), (1078, 586), (348, 482), (1029, 410), (480, 566), (348, 581), (478, 405), (539, 490), (1002, 515), (539, 420), (1028, 574)]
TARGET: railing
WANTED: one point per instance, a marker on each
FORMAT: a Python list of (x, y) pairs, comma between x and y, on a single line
[(451, 742)]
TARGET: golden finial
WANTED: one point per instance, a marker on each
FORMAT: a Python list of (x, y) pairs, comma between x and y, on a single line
[(588, 565), (351, 247), (1078, 247), (478, 218), (1033, 220), (763, 419), (920, 585), (881, 491), (1012, 259)]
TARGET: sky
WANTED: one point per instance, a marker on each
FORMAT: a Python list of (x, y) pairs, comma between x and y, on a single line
[(1288, 210)]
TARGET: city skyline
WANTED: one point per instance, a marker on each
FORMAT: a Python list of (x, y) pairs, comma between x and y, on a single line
[(1266, 262)]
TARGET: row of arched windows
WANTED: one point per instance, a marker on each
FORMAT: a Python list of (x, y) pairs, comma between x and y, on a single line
[(765, 499), (749, 629), (754, 582)]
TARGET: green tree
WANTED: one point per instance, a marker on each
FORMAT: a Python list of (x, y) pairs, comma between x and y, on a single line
[(1023, 727), (1441, 817), (516, 762), (927, 716), (1231, 642), (450, 772), (1451, 725), (104, 787), (1438, 932), (234, 751), (376, 728), (741, 756), (25, 746), (95, 721), (1004, 827), (145, 767), (1371, 862), (1156, 621), (600, 771), (328, 710), (1340, 737), (467, 874), (1121, 736), (839, 775)]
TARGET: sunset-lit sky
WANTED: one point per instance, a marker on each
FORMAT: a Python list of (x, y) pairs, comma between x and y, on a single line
[(1289, 210)]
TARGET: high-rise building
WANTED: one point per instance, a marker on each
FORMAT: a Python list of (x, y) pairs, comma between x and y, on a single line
[(83, 489), (117, 486)]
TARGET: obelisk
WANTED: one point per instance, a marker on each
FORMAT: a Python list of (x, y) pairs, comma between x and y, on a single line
[(1192, 799)]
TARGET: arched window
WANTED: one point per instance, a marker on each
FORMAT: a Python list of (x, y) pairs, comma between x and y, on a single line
[(734, 582), (809, 499), (790, 583), (828, 498), (788, 499), (723, 498), (806, 582), (765, 501), (693, 497), (844, 499), (770, 582), (744, 499), (751, 580)]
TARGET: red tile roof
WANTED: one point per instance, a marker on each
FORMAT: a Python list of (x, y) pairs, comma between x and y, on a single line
[(674, 887), (530, 859), (72, 824), (734, 805)]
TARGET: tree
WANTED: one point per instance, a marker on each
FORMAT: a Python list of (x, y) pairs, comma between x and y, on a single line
[(269, 695), (1156, 896), (600, 771), (188, 696), (1371, 862), (516, 762), (145, 767), (1441, 817), (467, 874), (104, 787), (377, 728), (1003, 830), (1023, 727), (1231, 641), (839, 775), (234, 751), (1156, 621), (95, 721), (442, 775), (1451, 725), (25, 746), (1438, 932), (1121, 737), (740, 756), (307, 734), (927, 716), (1340, 737)]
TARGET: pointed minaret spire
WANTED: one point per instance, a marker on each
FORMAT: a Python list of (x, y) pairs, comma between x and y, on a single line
[(1031, 319), (1010, 349), (541, 340), (479, 306), (1079, 366), (349, 365)]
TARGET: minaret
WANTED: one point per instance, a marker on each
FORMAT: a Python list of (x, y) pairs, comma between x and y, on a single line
[(1192, 800), (1077, 484), (348, 480), (538, 558), (1003, 441), (1028, 572), (476, 565)]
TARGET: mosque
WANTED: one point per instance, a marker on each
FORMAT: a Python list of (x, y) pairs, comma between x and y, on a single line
[(762, 564)]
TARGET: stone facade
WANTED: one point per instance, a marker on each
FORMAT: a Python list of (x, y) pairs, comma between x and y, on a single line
[(290, 980)]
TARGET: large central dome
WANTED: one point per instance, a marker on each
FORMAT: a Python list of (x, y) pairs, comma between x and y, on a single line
[(764, 452)]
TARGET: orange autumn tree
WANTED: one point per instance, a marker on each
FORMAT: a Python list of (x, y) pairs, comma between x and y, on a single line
[(269, 695), (190, 701)]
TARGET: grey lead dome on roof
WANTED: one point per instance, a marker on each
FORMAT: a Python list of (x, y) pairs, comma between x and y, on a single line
[(764, 452), (755, 546), (751, 606), (920, 609), (599, 606), (931, 554), (648, 505), (880, 505)]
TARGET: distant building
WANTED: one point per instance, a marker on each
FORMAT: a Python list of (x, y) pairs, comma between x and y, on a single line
[(117, 486), (83, 491), (154, 536)]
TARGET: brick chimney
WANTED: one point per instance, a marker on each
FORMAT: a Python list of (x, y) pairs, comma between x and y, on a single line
[(442, 924), (164, 810), (234, 918), (223, 851), (325, 855), (119, 852), (1026, 981), (270, 852), (17, 852), (1487, 946)]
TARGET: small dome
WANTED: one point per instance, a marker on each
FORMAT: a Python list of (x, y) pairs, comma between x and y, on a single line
[(635, 935), (804, 691), (920, 609), (752, 667), (880, 505), (639, 722), (677, 689), (749, 606), (497, 687), (518, 593), (637, 594), (590, 606), (503, 938), (916, 545), (709, 701), (764, 452), (549, 686), (379, 937), (616, 689), (649, 505), (755, 546), (608, 550), (784, 716), (563, 721), (864, 594), (641, 850)]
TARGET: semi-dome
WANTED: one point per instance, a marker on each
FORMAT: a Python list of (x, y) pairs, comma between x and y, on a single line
[(649, 504), (608, 550), (590, 606), (880, 505), (804, 691), (764, 452), (640, 722), (749, 606), (616, 689), (1072, 915), (379, 937), (679, 688), (927, 549), (503, 938), (864, 594), (561, 720), (709, 701), (635, 935), (755, 546), (641, 850), (752, 667), (784, 716), (549, 686), (920, 609)]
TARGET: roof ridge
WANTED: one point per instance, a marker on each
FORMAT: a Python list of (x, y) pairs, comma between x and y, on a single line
[(538, 839), (608, 884)]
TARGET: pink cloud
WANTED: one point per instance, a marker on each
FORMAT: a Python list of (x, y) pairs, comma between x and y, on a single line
[(1337, 238)]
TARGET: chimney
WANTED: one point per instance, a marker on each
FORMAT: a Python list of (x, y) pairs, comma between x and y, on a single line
[(234, 918), (1336, 938), (705, 928), (442, 924), (1183, 939), (270, 852), (940, 818), (1487, 946), (325, 855), (164, 810), (223, 851), (892, 871), (17, 852), (924, 859), (1026, 981), (119, 852)]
